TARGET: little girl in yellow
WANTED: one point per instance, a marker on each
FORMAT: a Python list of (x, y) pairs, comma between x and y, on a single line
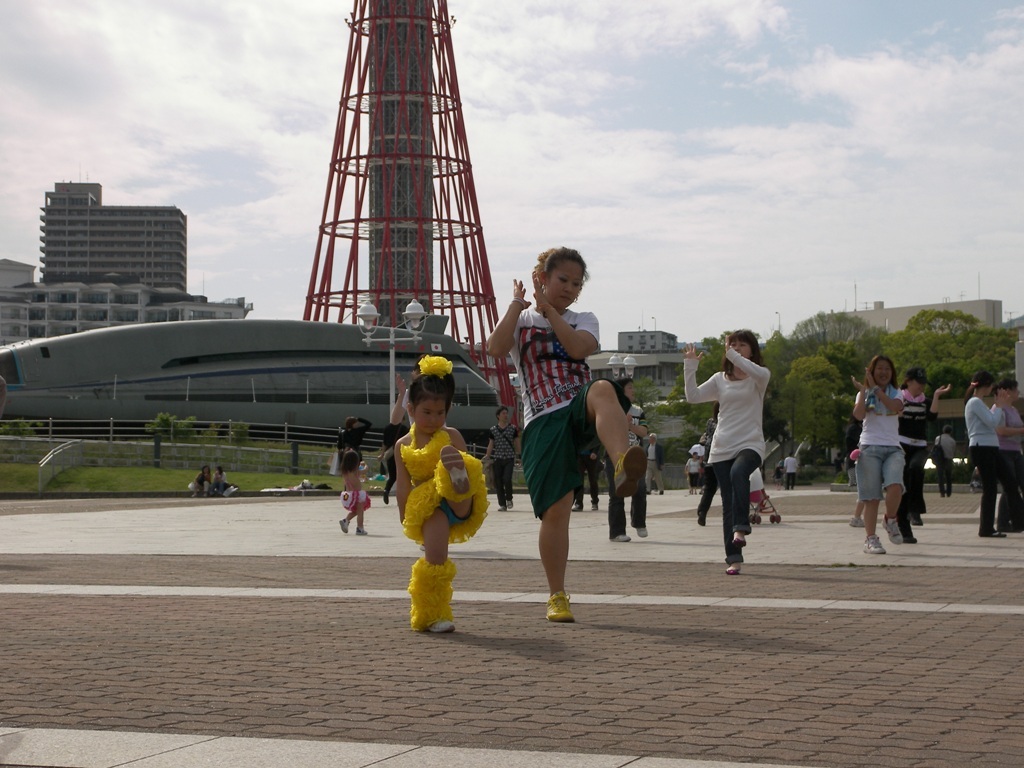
[(442, 496)]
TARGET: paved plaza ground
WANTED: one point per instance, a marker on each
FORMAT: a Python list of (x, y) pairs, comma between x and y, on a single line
[(253, 632)]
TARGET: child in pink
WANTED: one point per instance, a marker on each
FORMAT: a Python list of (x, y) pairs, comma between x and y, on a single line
[(353, 498)]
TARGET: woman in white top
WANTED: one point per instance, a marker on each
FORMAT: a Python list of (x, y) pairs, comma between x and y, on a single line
[(881, 460), (738, 447), (983, 445)]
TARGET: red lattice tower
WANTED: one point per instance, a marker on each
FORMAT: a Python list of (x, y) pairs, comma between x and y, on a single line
[(400, 211)]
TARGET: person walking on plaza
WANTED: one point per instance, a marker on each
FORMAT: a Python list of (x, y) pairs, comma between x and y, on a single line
[(880, 462), (352, 434), (983, 445), (851, 438), (442, 497), (943, 460), (637, 430), (790, 465), (918, 410), (393, 432), (503, 449), (1010, 516), (738, 448), (709, 487), (563, 410), (590, 471), (693, 465), (655, 463), (354, 499)]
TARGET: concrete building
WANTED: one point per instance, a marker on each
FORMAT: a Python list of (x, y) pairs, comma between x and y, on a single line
[(657, 355), (989, 311), (103, 266), (31, 310), (88, 242)]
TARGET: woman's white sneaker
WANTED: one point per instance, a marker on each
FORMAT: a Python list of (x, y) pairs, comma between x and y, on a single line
[(873, 546)]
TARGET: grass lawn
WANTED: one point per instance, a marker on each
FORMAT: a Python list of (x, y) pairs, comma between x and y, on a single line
[(24, 478)]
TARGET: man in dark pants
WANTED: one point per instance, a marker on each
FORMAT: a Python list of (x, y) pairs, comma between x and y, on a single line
[(503, 448), (710, 487), (944, 464), (589, 469), (638, 504)]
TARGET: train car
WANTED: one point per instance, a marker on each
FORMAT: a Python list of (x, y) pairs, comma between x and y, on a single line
[(254, 371)]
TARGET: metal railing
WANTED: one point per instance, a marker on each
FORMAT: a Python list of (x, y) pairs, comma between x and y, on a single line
[(62, 457)]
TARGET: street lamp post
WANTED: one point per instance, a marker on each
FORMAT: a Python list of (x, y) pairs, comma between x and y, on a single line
[(367, 315), (617, 364)]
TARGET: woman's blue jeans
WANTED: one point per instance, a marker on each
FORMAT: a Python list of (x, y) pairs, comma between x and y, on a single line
[(733, 477)]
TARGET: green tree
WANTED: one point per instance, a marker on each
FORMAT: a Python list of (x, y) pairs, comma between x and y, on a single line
[(19, 428), (697, 414), (811, 335), (170, 425), (813, 389), (950, 345)]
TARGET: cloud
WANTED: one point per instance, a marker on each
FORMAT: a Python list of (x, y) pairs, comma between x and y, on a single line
[(713, 161)]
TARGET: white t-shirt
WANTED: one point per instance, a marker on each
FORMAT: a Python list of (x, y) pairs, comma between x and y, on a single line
[(740, 405), (548, 377), (881, 427)]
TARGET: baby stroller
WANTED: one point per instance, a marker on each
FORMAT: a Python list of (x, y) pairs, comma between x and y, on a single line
[(760, 502)]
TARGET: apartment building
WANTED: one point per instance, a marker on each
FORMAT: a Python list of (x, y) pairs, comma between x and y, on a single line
[(88, 242)]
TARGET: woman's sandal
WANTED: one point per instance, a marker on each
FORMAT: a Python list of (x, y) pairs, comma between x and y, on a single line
[(738, 540), (733, 569), (452, 461)]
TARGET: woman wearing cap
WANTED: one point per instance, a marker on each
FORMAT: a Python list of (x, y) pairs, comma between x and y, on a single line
[(984, 448), (918, 410)]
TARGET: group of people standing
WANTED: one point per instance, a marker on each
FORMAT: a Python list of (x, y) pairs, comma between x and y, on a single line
[(568, 418), (892, 447)]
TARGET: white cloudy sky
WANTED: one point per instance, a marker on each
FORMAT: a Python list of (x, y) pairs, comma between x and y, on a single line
[(720, 163)]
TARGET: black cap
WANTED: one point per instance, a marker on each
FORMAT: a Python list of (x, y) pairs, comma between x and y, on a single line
[(917, 374)]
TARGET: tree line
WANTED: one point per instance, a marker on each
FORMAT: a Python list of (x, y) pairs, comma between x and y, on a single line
[(810, 396)]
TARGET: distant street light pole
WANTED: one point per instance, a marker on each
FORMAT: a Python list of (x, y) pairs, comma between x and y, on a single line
[(368, 316), (778, 318)]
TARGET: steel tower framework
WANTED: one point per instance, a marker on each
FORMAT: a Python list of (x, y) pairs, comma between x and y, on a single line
[(400, 212)]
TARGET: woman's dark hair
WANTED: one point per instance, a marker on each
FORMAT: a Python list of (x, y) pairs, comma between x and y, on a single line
[(1006, 383), (350, 422), (980, 379), (874, 363), (751, 341), (425, 386), (552, 257), (349, 461)]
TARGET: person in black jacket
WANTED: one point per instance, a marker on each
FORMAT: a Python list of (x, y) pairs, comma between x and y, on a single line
[(918, 410), (352, 434)]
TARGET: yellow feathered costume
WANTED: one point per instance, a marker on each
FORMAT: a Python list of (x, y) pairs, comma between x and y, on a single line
[(431, 484), (430, 585)]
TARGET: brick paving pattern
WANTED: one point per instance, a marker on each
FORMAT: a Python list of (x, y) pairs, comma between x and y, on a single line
[(773, 685)]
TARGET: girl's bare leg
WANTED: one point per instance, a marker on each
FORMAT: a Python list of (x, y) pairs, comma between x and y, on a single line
[(435, 538), (553, 542)]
